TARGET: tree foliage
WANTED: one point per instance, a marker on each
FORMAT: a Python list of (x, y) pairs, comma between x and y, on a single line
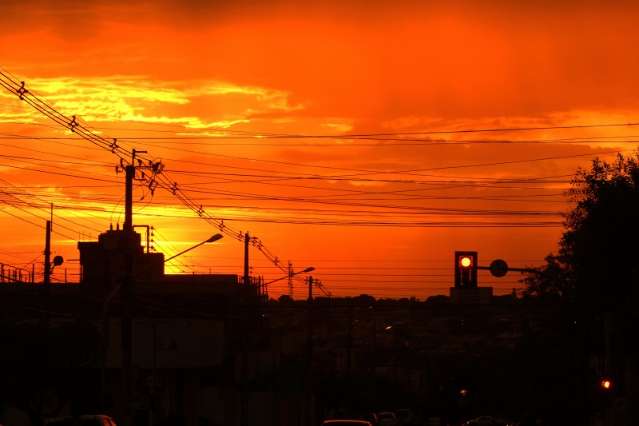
[(597, 259)]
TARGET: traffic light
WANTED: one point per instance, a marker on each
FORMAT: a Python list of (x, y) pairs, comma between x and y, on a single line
[(606, 390), (606, 384), (466, 269)]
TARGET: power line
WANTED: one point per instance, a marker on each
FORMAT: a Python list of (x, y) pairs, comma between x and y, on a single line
[(159, 180), (31, 195), (267, 134), (382, 137), (32, 169)]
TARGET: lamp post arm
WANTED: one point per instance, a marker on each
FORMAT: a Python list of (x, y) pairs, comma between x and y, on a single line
[(279, 279), (290, 275), (184, 251)]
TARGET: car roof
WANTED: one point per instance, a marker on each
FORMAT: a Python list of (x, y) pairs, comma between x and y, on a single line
[(82, 419)]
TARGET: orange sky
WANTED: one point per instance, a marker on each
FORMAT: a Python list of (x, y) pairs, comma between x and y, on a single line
[(228, 73)]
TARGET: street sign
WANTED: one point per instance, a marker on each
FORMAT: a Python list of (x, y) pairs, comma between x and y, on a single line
[(498, 268)]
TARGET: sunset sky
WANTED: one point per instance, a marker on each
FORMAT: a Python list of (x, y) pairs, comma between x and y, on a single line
[(330, 131)]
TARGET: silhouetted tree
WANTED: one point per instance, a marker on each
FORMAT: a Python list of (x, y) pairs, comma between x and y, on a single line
[(598, 257), (364, 300), (554, 280), (285, 299)]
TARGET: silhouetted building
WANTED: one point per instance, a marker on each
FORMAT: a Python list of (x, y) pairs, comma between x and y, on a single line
[(103, 266), (103, 262), (472, 296)]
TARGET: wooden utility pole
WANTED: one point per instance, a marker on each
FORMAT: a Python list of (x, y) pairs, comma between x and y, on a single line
[(247, 240), (46, 287), (309, 355), (129, 251), (47, 259), (309, 327), (349, 338), (126, 295), (290, 279)]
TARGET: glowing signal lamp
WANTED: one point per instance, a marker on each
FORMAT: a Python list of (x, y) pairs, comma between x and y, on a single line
[(466, 269), (463, 392), (606, 384)]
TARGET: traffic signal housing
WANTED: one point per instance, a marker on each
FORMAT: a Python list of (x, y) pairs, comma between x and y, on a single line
[(606, 384), (465, 269), (606, 391)]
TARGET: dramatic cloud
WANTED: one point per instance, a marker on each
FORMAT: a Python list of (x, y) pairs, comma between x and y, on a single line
[(140, 100)]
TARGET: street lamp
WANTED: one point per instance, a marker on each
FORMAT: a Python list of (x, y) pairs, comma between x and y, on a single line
[(210, 240), (292, 274)]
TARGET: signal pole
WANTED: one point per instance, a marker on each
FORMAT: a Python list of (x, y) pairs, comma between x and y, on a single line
[(46, 283), (349, 338), (247, 239), (309, 328), (47, 259), (309, 354), (290, 279)]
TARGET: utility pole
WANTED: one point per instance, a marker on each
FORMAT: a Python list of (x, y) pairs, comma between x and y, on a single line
[(126, 295), (247, 240), (47, 259), (46, 287), (349, 338), (309, 329), (128, 196), (309, 354), (290, 279), (126, 291), (46, 295)]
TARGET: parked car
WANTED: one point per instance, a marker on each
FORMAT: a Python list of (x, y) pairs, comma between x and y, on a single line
[(86, 420), (386, 418), (346, 422), (406, 417), (485, 421)]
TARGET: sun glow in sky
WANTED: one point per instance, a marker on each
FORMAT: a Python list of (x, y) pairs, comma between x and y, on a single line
[(314, 128)]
